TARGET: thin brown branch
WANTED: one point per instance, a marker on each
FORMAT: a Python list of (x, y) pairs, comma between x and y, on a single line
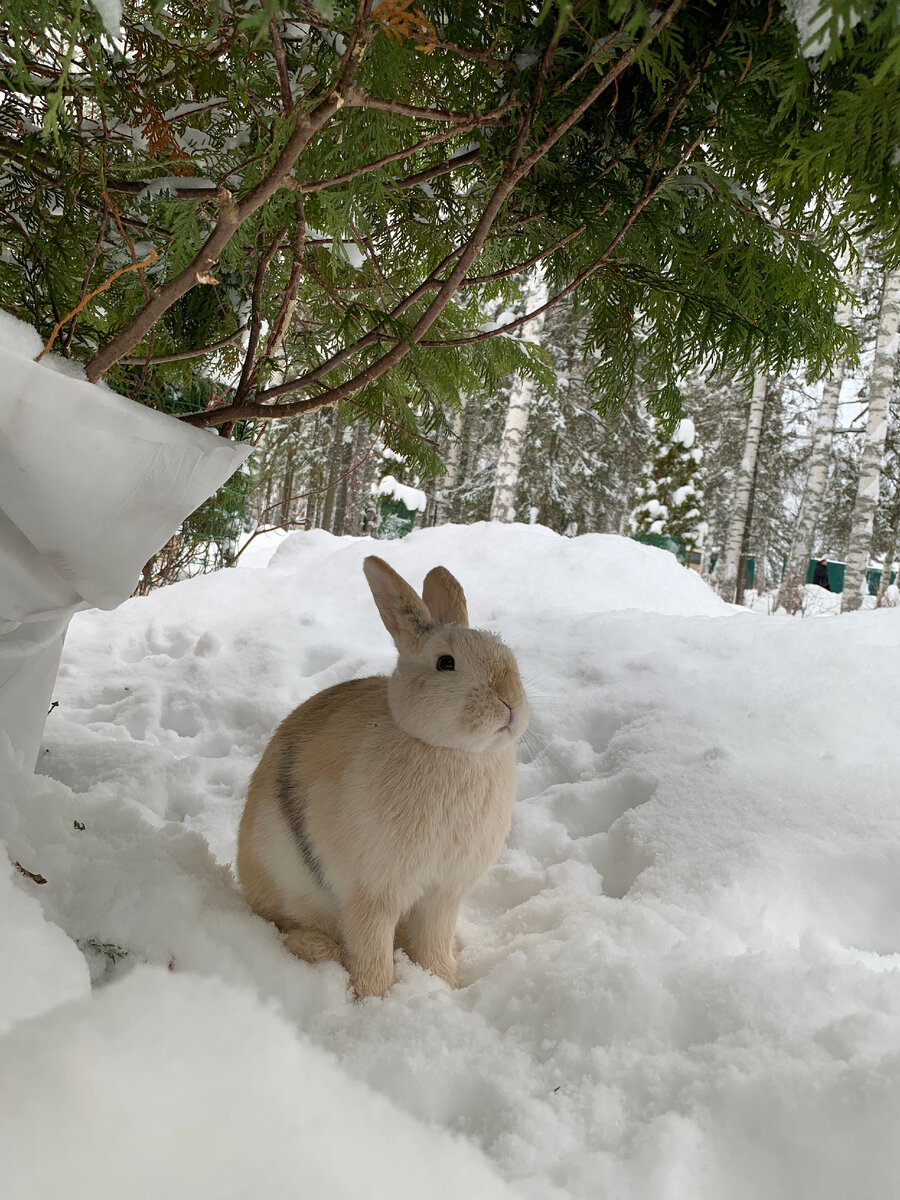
[(444, 168), (184, 191), (284, 83), (285, 315), (396, 156), (647, 195), (249, 369), (156, 359), (493, 64), (151, 258), (70, 332), (128, 242), (357, 98), (602, 48), (303, 496), (473, 280), (379, 333)]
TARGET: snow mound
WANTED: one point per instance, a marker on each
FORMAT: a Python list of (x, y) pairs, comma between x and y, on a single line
[(681, 978), (180, 1086), (500, 565)]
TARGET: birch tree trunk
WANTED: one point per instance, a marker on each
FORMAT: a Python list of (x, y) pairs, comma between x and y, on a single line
[(509, 460), (506, 476), (737, 526), (334, 471), (890, 552), (811, 504), (442, 506), (880, 385)]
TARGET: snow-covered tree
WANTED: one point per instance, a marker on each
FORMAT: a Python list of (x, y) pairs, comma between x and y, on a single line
[(670, 497)]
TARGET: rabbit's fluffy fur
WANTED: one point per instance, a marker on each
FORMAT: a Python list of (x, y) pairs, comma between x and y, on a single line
[(380, 802)]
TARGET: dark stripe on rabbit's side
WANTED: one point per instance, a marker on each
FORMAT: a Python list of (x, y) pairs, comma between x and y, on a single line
[(291, 799)]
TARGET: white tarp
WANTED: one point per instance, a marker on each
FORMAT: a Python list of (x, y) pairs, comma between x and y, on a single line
[(91, 485)]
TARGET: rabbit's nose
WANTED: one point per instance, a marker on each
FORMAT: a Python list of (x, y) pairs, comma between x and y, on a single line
[(509, 719)]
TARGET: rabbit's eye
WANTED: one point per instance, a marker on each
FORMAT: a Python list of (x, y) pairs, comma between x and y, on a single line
[(446, 663)]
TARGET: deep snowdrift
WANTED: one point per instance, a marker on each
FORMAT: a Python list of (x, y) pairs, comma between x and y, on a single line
[(682, 979)]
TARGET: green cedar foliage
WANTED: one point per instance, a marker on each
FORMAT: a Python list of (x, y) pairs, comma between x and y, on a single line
[(335, 193)]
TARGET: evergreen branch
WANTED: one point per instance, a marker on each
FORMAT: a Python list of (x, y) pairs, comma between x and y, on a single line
[(474, 280), (132, 187), (377, 334), (232, 214), (602, 48), (85, 283), (493, 64), (511, 176), (647, 195)]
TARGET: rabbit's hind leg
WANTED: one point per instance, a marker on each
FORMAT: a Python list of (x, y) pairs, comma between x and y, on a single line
[(312, 935), (312, 945)]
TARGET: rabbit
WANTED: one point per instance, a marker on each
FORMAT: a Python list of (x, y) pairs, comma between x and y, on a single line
[(380, 802)]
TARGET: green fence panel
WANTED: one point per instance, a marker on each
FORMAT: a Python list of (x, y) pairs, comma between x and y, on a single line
[(394, 519), (674, 545)]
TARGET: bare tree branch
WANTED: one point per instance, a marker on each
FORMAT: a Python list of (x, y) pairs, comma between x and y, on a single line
[(356, 98), (184, 355), (304, 186)]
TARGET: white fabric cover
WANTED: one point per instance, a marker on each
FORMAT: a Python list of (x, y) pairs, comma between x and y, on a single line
[(91, 485)]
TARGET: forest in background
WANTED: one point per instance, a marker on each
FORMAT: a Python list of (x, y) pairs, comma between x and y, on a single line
[(495, 252), (582, 472)]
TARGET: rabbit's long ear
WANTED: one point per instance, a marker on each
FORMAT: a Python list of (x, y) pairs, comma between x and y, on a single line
[(405, 616), (445, 598)]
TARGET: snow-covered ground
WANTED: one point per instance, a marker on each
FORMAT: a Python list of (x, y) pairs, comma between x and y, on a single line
[(681, 980)]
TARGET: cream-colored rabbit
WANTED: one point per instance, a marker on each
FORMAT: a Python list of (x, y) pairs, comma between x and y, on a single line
[(380, 802)]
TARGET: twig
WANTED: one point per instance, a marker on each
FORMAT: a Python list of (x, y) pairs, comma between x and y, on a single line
[(356, 98), (303, 496), (29, 874), (148, 261), (87, 275), (285, 314), (156, 359)]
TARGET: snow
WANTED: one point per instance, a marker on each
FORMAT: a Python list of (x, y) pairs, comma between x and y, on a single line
[(681, 979), (111, 15), (414, 498), (685, 433), (256, 549), (681, 494), (811, 18), (236, 1102)]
